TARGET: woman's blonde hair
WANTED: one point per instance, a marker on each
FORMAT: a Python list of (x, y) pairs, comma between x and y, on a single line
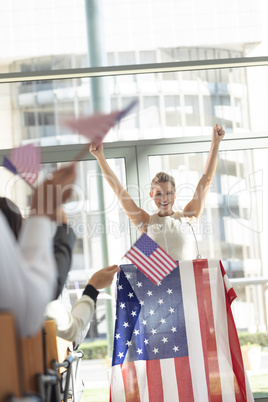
[(162, 177)]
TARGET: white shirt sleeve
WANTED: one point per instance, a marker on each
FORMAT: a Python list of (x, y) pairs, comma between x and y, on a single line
[(70, 324), (28, 273)]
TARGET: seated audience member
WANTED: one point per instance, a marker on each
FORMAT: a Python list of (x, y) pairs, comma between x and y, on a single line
[(72, 323), (63, 243), (12, 214), (27, 266)]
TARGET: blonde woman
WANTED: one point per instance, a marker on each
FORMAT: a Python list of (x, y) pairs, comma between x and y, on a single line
[(166, 226)]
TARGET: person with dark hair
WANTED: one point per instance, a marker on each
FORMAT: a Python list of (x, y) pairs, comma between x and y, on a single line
[(63, 240), (12, 214), (27, 266), (166, 226), (63, 244), (70, 323)]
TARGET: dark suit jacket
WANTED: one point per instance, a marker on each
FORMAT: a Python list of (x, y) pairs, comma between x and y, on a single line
[(64, 241)]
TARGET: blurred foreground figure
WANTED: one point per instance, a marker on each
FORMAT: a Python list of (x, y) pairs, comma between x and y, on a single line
[(27, 266)]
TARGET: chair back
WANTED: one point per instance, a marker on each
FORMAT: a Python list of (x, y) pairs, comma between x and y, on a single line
[(9, 361), (32, 355), (56, 347), (32, 365)]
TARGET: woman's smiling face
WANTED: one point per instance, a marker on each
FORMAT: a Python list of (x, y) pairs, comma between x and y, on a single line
[(164, 196)]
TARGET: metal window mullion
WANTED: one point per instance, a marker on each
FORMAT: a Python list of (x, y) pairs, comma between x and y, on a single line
[(105, 71)]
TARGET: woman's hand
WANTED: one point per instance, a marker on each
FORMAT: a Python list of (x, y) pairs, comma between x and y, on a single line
[(217, 134), (195, 206), (96, 150)]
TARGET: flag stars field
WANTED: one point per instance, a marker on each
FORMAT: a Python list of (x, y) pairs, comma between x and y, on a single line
[(147, 324), (169, 291)]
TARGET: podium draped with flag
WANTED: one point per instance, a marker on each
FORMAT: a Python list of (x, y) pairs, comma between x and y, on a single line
[(176, 340)]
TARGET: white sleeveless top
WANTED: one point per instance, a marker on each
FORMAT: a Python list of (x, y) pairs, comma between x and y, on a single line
[(174, 235)]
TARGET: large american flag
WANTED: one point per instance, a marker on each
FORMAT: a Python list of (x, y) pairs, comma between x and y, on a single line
[(177, 341), (151, 259), (24, 161)]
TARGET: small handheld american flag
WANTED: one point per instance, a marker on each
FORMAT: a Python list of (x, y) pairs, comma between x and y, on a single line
[(151, 259), (24, 161)]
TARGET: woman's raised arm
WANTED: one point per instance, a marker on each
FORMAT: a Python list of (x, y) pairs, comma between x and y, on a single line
[(194, 208), (134, 213)]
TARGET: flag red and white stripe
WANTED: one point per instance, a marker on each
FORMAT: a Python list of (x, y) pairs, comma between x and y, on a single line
[(26, 159), (213, 371)]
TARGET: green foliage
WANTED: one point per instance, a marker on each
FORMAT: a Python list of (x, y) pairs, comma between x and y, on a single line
[(95, 394), (94, 350), (259, 338), (259, 385)]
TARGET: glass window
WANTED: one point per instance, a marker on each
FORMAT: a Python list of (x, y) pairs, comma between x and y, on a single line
[(173, 111), (202, 102), (126, 58), (150, 117), (209, 111), (94, 213), (192, 110), (147, 56), (88, 219), (128, 28)]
